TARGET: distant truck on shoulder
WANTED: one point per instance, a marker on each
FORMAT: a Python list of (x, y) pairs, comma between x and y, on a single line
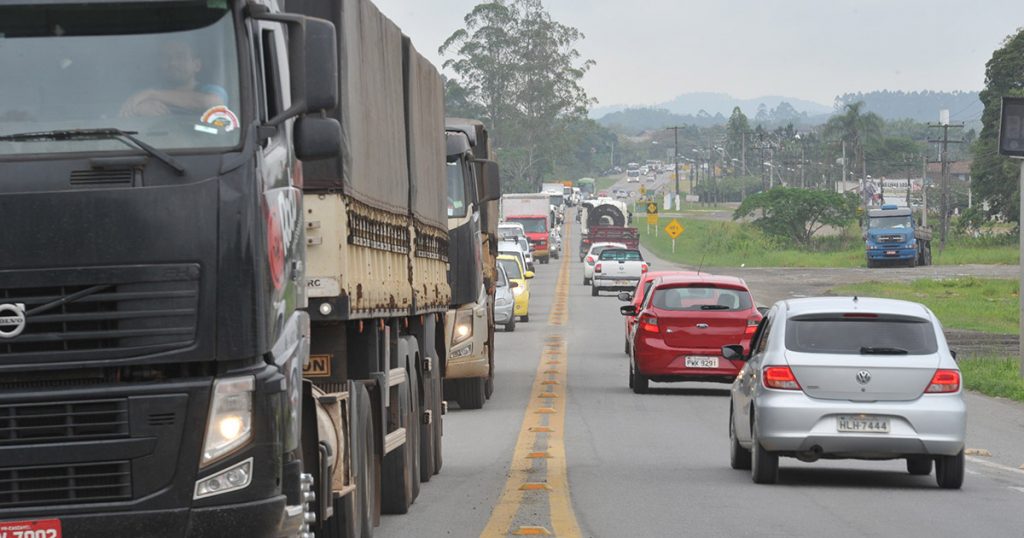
[(893, 236), (533, 211)]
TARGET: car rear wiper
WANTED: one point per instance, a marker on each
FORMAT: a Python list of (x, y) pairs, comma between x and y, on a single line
[(100, 134), (714, 307), (882, 351)]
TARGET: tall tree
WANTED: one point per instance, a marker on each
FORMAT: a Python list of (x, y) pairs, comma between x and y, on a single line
[(856, 128), (994, 177), (524, 71), (736, 131)]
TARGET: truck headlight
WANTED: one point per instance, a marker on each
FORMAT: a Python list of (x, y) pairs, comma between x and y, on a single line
[(229, 426), (463, 329), (234, 478)]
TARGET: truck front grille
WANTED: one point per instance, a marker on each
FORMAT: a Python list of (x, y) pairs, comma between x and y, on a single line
[(101, 313), (65, 484), (890, 238), (54, 422)]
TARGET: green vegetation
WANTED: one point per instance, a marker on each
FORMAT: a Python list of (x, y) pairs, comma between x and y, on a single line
[(797, 214), (605, 183), (975, 304), (994, 377), (730, 244)]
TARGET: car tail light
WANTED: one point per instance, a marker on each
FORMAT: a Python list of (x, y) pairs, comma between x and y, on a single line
[(752, 324), (780, 377), (649, 323), (590, 260), (643, 268), (944, 381), (597, 268)]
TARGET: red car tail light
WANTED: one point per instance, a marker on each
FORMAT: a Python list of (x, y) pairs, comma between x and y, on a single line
[(780, 377), (590, 260), (649, 324), (643, 268), (752, 324), (944, 381), (597, 268)]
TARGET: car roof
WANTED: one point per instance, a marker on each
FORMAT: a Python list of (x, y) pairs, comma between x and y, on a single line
[(702, 278), (608, 244), (872, 305), (512, 245)]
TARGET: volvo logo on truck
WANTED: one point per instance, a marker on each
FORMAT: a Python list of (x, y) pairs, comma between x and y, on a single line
[(12, 319)]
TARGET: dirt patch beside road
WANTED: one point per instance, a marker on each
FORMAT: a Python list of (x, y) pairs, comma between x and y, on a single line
[(771, 284)]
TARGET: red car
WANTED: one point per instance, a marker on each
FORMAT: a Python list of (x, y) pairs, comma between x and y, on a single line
[(636, 296), (682, 324)]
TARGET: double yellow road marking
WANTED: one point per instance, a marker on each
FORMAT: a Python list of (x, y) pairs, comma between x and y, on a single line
[(539, 471)]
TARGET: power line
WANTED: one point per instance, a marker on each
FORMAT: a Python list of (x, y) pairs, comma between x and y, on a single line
[(944, 159)]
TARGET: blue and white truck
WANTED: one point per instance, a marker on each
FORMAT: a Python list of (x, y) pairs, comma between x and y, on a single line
[(894, 237)]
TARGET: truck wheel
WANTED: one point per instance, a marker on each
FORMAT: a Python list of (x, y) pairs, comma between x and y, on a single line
[(927, 255), (912, 262), (871, 264), (358, 505), (400, 475), (429, 444), (472, 393)]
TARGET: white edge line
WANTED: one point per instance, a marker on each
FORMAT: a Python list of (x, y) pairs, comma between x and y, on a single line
[(994, 465)]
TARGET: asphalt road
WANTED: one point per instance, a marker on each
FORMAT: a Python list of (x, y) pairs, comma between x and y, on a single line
[(657, 464)]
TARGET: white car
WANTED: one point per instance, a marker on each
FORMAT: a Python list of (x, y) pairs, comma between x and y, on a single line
[(618, 269), (591, 258), (848, 377)]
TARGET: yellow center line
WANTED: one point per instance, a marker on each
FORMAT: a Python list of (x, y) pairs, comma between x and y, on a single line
[(545, 415)]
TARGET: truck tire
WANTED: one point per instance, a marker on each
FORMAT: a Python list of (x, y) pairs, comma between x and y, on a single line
[(358, 505), (400, 474), (428, 434), (871, 264), (912, 262), (472, 393), (927, 255)]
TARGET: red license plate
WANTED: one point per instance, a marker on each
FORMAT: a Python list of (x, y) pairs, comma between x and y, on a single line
[(40, 528)]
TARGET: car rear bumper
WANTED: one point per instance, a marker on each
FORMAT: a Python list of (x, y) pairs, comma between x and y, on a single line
[(626, 284), (661, 362), (933, 424)]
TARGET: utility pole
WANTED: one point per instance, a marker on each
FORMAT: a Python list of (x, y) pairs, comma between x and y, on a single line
[(944, 160), (924, 191), (844, 167)]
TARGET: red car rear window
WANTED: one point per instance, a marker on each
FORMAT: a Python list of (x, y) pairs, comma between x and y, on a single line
[(701, 298)]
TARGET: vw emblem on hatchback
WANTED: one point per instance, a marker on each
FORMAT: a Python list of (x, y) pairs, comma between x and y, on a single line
[(12, 320), (702, 325), (863, 377)]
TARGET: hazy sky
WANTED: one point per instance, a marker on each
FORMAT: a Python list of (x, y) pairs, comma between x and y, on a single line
[(649, 51)]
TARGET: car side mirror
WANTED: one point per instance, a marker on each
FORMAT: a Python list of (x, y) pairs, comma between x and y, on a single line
[(763, 310), (733, 352), (628, 310), (625, 296), (528, 275), (953, 353), (513, 284)]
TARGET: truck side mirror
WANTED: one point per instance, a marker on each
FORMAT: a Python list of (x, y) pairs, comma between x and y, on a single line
[(490, 181), (316, 138), (312, 62)]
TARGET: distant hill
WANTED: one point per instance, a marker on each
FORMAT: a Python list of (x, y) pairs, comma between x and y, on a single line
[(722, 103), (923, 106)]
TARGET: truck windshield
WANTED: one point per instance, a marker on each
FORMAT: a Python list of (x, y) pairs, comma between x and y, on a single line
[(168, 74), (891, 222), (556, 199), (456, 191), (533, 226)]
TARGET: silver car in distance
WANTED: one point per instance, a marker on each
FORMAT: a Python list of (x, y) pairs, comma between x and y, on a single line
[(848, 377)]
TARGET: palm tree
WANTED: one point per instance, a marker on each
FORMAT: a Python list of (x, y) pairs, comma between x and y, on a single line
[(855, 128)]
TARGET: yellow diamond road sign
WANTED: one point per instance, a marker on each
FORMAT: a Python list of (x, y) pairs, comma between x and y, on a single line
[(673, 229), (652, 208), (652, 219), (643, 190)]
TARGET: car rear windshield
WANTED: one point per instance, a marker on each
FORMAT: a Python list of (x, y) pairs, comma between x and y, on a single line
[(620, 255), (697, 298), (882, 335), (511, 268)]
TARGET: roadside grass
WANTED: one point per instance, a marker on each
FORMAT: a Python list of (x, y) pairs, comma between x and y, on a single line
[(998, 377), (732, 244), (968, 303)]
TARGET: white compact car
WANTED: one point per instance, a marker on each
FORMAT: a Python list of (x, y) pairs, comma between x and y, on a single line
[(848, 377), (591, 258), (504, 302)]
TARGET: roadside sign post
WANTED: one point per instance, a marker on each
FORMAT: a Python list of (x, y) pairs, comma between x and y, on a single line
[(674, 230), (652, 218), (1011, 144)]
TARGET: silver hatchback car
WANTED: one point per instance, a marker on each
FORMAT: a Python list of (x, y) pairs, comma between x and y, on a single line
[(848, 377)]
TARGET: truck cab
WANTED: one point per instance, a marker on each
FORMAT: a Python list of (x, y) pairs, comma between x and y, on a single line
[(894, 237)]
